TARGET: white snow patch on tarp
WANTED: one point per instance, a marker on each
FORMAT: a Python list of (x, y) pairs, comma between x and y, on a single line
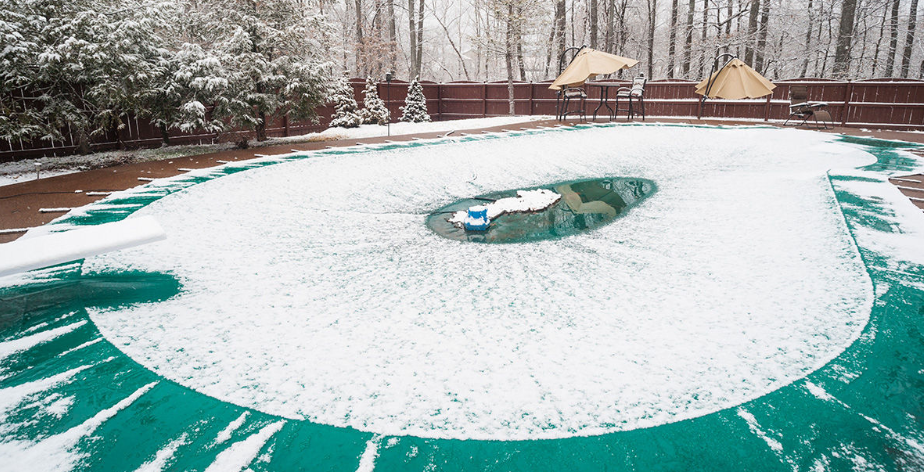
[(754, 426), (328, 299), (57, 453), (164, 456), (57, 248), (11, 397), (8, 348), (226, 433), (370, 454), (242, 453)]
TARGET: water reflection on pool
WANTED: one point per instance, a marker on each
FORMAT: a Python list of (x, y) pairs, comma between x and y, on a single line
[(585, 205)]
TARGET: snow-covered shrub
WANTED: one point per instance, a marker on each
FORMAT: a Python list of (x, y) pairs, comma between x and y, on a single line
[(345, 114), (374, 111), (415, 105)]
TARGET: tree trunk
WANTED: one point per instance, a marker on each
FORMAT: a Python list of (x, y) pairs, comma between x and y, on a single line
[(893, 42), (672, 44), (508, 57), (359, 39), (164, 134), (652, 13), (518, 38), (83, 140), (808, 40), (420, 21), (593, 24), (762, 36), (703, 34), (909, 39), (610, 22), (392, 34), (261, 127), (413, 71), (560, 25), (885, 12), (688, 41), (752, 32), (844, 39)]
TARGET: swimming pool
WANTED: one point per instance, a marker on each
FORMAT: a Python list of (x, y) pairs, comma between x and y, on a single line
[(303, 314)]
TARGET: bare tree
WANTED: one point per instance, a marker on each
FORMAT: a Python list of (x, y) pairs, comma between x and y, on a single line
[(844, 38), (752, 32), (442, 22), (909, 38), (672, 42), (882, 24), (893, 42), (508, 56), (593, 24), (392, 34), (652, 14), (762, 35), (414, 68), (360, 66), (688, 41)]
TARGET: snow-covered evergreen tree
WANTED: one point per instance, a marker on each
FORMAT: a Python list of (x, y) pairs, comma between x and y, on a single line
[(345, 113), (83, 64), (273, 53), (415, 105), (374, 111)]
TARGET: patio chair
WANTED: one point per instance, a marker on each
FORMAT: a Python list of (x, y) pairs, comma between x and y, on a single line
[(636, 94), (566, 95), (801, 108)]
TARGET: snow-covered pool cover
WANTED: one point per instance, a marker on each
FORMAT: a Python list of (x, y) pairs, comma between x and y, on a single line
[(312, 289)]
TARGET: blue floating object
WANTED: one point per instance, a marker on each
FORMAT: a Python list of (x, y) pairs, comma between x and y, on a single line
[(477, 218)]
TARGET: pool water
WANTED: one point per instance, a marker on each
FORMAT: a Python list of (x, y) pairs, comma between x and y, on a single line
[(70, 398), (585, 205)]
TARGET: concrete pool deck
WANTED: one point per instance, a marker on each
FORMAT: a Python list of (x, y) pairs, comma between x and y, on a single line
[(21, 204)]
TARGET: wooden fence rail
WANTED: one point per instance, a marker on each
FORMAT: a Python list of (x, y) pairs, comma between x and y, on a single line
[(885, 104)]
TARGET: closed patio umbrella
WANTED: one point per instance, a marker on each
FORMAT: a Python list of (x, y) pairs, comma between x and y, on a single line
[(588, 64), (735, 81)]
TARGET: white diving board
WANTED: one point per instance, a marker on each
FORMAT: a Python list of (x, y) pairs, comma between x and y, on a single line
[(58, 248)]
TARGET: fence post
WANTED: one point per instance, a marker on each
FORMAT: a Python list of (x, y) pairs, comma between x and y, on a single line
[(530, 98), (848, 92), (439, 102), (285, 125), (484, 100), (767, 107)]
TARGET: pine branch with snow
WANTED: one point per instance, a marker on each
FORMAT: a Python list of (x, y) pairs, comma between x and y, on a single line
[(415, 105), (374, 111)]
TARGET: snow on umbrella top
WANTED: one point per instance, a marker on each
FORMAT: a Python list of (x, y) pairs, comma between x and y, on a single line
[(588, 64), (735, 81)]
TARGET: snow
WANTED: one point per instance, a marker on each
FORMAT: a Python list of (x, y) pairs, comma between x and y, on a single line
[(163, 457), (525, 201), (242, 453), (8, 348), (36, 252), (754, 426), (24, 170), (57, 453), (330, 300), (226, 433), (370, 454), (12, 397)]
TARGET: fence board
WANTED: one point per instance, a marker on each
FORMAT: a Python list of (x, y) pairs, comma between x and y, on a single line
[(888, 104)]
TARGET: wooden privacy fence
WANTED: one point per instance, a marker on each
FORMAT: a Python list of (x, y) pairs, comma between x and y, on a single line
[(881, 103)]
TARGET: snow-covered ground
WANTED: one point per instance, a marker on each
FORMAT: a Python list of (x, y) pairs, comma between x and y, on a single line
[(314, 290), (25, 170)]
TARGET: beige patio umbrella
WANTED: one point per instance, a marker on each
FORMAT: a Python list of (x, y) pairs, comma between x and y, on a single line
[(588, 64), (735, 81)]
